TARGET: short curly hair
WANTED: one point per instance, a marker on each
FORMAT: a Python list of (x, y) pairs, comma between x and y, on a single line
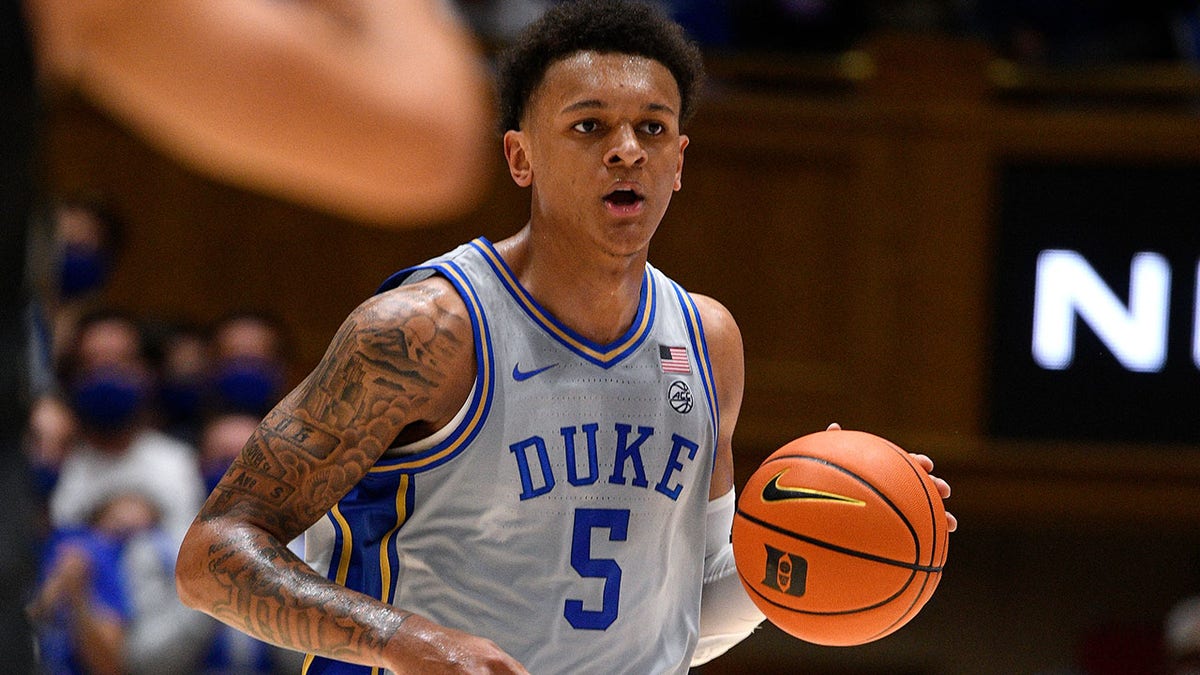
[(604, 26)]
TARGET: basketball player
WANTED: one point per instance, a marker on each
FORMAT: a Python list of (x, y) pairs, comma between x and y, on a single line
[(516, 455)]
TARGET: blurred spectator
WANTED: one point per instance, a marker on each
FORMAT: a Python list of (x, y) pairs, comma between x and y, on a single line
[(108, 384), (87, 236), (250, 364), (221, 443), (52, 432), (182, 358), (1181, 637), (1085, 33), (106, 602), (499, 21), (81, 605)]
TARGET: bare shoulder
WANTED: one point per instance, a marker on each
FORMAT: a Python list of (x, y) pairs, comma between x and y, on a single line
[(432, 300), (415, 338), (724, 341), (720, 329)]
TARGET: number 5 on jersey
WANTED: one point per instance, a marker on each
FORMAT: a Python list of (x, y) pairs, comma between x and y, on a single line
[(616, 521)]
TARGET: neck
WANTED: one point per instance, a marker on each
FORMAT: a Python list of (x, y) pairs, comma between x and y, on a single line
[(593, 292)]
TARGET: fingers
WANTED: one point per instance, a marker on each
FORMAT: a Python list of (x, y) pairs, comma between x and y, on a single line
[(833, 426), (926, 463), (922, 461), (942, 486)]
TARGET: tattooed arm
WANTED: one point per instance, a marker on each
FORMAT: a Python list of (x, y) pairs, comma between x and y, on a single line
[(403, 360)]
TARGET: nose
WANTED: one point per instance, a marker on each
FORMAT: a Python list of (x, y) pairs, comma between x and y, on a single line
[(626, 149)]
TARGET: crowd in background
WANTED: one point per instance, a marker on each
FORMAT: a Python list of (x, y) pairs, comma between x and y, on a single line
[(134, 421), (1045, 32), (136, 418)]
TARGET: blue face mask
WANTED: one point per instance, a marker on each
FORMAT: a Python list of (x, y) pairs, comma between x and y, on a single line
[(82, 270), (108, 400), (248, 385)]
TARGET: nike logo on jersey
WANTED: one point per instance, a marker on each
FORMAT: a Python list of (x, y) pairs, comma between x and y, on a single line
[(774, 492), (522, 375)]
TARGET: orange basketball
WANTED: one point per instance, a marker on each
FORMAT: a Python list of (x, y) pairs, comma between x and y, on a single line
[(840, 537)]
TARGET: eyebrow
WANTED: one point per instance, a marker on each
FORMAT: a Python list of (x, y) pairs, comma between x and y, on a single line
[(593, 103)]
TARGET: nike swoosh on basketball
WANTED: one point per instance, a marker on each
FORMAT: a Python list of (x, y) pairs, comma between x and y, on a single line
[(522, 375), (774, 492)]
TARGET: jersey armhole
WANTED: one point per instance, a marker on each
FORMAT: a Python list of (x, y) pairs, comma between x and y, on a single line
[(431, 441)]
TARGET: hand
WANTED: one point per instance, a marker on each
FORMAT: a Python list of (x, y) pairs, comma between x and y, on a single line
[(926, 463), (943, 487), (65, 585), (426, 648)]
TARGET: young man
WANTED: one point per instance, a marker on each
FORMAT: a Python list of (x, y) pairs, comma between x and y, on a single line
[(518, 454)]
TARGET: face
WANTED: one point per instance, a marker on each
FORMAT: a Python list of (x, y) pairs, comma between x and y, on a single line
[(246, 337), (601, 149), (109, 343)]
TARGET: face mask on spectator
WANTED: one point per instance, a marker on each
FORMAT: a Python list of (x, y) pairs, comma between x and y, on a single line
[(108, 400), (82, 269), (250, 385)]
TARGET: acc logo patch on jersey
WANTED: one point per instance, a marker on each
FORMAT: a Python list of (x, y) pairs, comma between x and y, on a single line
[(680, 397)]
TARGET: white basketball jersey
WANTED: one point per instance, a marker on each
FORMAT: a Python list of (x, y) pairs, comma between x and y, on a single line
[(562, 515)]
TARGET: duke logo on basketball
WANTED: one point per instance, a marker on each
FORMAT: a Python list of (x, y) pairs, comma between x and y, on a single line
[(786, 572)]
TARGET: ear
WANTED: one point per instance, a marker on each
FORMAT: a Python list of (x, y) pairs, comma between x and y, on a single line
[(516, 151), (683, 143)]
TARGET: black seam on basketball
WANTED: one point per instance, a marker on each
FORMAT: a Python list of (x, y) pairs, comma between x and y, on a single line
[(747, 583), (914, 607), (916, 564), (928, 500), (839, 549)]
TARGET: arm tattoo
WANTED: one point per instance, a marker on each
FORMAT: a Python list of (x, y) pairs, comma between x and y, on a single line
[(381, 371)]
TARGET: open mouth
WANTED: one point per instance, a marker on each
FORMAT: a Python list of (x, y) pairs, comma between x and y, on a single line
[(623, 198)]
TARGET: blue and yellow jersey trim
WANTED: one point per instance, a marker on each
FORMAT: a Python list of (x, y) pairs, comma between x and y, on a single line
[(604, 356), (700, 347), (363, 556), (481, 400)]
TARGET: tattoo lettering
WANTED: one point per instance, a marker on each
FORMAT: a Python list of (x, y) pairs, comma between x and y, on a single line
[(382, 369)]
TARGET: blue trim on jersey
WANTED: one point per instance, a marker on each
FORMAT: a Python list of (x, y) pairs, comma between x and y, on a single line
[(700, 346), (604, 356), (365, 523), (481, 401)]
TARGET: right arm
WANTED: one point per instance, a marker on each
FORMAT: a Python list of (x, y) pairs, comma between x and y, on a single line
[(404, 357), (377, 110)]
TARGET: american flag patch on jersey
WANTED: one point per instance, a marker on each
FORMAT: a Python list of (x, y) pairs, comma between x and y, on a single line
[(674, 359)]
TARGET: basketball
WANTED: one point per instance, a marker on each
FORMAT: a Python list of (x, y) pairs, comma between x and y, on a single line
[(840, 537)]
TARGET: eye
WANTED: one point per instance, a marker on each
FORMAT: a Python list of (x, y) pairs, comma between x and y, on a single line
[(653, 128), (586, 126)]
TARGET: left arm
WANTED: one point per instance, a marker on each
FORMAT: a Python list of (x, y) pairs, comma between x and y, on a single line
[(727, 615)]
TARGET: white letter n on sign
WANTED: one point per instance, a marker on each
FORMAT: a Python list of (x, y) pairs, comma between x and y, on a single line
[(1067, 285)]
